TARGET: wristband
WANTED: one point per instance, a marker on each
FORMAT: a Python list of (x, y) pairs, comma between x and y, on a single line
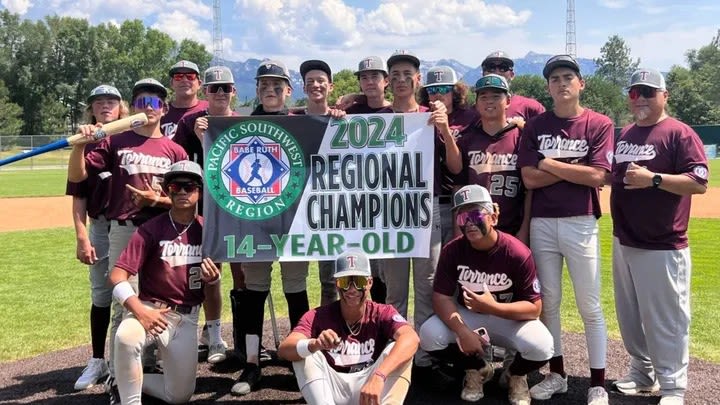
[(381, 375), (155, 201), (122, 291), (303, 348)]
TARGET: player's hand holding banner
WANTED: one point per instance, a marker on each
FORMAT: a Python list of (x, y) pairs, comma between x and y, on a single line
[(304, 187)]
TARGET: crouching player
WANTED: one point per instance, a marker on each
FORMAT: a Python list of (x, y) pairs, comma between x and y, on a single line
[(165, 252), (493, 275), (352, 351)]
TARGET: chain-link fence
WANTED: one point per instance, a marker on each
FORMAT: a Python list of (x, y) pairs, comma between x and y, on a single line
[(15, 144)]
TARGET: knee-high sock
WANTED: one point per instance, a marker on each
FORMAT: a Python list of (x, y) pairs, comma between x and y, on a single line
[(254, 316), (99, 323), (238, 303), (297, 306)]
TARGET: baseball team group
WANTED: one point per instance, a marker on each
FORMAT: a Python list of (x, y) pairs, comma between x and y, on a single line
[(516, 199)]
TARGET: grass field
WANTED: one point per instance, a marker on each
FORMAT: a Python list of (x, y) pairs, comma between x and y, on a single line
[(46, 296), (54, 158), (51, 182)]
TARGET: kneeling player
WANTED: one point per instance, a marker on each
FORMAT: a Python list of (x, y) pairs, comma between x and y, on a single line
[(342, 352), (166, 254), (493, 274)]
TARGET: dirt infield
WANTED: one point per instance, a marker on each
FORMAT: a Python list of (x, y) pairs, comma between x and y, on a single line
[(49, 379), (52, 212)]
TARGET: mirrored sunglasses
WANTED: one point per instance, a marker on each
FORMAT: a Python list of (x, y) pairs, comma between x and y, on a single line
[(187, 76), (442, 90), (153, 102), (473, 217), (495, 68), (176, 186), (645, 91), (225, 87), (343, 283)]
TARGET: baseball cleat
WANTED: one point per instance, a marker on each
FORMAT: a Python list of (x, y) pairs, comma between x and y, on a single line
[(630, 385), (216, 353), (95, 371), (248, 380), (553, 384), (597, 396)]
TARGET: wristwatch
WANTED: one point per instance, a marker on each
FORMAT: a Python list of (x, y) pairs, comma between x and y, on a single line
[(656, 180)]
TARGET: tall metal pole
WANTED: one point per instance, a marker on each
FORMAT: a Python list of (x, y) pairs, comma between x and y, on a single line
[(217, 35), (570, 44)]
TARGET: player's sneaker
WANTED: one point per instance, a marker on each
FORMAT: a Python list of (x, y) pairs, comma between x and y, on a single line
[(473, 383), (248, 380), (518, 391), (597, 396), (671, 400), (95, 371), (553, 384), (216, 352), (633, 384)]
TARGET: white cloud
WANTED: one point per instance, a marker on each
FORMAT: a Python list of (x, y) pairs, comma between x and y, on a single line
[(615, 4), (16, 6), (180, 25)]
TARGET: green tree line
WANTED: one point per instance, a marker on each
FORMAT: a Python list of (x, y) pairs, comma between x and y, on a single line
[(48, 67)]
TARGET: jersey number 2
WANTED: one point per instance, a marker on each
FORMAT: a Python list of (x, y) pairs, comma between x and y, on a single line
[(195, 278)]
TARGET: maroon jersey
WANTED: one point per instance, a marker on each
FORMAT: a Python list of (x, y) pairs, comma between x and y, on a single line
[(95, 189), (508, 269), (651, 218), (458, 120), (586, 140), (169, 121), (525, 107), (168, 264), (132, 159), (378, 326), (185, 136), (491, 161), (366, 109)]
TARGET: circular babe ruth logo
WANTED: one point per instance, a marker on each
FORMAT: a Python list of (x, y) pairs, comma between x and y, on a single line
[(255, 170), (701, 171)]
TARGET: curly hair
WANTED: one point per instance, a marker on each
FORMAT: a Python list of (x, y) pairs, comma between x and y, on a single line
[(89, 118), (459, 99)]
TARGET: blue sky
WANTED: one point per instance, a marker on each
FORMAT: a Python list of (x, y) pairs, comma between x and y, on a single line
[(342, 32)]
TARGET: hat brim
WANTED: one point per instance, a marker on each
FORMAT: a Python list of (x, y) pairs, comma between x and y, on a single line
[(470, 203), (653, 85), (162, 91), (168, 177), (111, 95), (502, 89), (509, 61), (219, 82), (352, 273), (383, 71), (549, 68), (438, 84), (183, 70)]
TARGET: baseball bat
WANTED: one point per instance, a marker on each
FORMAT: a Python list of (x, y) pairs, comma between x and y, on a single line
[(108, 129)]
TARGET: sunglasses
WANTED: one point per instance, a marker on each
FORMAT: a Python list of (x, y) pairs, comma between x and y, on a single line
[(176, 186), (343, 283), (214, 88), (473, 217), (153, 102), (647, 92), (492, 68), (442, 90), (187, 76)]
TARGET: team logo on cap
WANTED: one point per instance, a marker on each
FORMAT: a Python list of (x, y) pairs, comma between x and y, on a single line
[(255, 170), (439, 75), (352, 262), (465, 195), (367, 63)]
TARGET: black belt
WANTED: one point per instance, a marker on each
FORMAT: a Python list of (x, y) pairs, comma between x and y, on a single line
[(445, 199), (130, 222), (181, 309)]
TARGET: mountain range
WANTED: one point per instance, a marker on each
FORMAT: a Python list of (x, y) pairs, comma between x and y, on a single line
[(530, 64)]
